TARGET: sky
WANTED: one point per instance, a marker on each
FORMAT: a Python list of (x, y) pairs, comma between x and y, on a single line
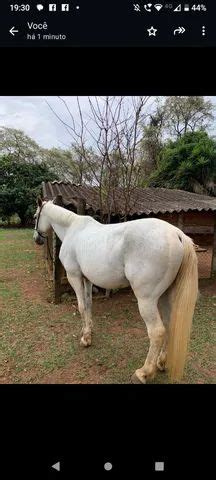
[(33, 115)]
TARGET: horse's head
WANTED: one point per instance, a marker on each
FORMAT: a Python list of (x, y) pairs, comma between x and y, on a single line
[(42, 224)]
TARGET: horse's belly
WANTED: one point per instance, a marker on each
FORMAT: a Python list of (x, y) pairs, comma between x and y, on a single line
[(102, 265), (109, 285), (105, 279)]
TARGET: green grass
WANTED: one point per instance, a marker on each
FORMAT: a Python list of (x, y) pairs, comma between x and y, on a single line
[(16, 248), (10, 292), (39, 341)]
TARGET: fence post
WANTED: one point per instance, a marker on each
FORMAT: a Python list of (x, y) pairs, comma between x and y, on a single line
[(180, 223), (81, 206), (56, 262), (56, 268), (213, 265)]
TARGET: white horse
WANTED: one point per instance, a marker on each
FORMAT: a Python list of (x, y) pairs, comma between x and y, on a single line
[(154, 257)]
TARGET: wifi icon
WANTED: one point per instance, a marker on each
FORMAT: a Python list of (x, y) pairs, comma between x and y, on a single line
[(158, 6)]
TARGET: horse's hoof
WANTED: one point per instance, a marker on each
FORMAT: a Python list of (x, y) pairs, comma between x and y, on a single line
[(161, 366), (136, 380), (85, 341)]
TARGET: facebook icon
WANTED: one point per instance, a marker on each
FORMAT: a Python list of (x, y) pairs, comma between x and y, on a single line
[(65, 7), (52, 7)]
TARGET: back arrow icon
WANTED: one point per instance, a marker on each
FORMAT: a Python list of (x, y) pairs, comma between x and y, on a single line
[(12, 31), (179, 30), (56, 466)]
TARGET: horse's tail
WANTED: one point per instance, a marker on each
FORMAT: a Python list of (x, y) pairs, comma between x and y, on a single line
[(184, 291)]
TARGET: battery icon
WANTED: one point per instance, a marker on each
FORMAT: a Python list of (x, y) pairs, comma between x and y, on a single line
[(186, 7)]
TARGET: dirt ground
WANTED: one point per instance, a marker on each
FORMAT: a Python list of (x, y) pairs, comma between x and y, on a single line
[(40, 340)]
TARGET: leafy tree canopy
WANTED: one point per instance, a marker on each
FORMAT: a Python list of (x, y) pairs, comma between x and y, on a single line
[(23, 148), (186, 114), (20, 184), (189, 163)]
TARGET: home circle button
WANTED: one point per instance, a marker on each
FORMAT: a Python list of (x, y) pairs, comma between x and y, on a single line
[(108, 466)]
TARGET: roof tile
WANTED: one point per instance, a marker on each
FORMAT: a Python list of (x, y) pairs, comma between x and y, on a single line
[(142, 201)]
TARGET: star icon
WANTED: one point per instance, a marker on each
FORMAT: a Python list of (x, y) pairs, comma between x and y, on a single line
[(152, 31)]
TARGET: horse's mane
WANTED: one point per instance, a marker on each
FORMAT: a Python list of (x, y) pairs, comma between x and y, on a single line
[(59, 214)]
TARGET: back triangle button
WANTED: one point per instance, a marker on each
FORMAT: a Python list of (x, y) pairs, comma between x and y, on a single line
[(56, 466)]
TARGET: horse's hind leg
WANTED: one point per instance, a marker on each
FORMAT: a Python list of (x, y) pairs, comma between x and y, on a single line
[(161, 361), (83, 294), (164, 309), (156, 331)]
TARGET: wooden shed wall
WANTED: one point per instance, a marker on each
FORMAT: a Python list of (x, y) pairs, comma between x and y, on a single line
[(200, 227)]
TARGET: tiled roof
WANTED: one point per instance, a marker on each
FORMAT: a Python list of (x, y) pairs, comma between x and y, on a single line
[(142, 201)]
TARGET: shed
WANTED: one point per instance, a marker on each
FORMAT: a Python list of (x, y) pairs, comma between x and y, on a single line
[(193, 213)]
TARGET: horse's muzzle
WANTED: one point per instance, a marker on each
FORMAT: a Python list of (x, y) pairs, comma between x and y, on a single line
[(38, 239)]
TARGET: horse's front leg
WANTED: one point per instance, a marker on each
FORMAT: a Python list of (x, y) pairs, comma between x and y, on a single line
[(84, 306)]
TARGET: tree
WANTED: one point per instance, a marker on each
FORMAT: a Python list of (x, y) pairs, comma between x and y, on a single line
[(69, 165), (21, 146), (20, 184), (189, 163), (66, 164), (187, 114), (175, 116), (114, 129), (151, 143)]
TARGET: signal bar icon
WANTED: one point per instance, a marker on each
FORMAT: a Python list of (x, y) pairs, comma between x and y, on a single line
[(178, 9), (158, 6)]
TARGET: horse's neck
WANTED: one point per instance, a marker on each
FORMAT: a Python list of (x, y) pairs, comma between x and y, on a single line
[(60, 219), (59, 230)]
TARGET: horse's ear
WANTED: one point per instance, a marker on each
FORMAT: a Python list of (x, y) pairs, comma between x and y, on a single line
[(39, 201), (58, 200)]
